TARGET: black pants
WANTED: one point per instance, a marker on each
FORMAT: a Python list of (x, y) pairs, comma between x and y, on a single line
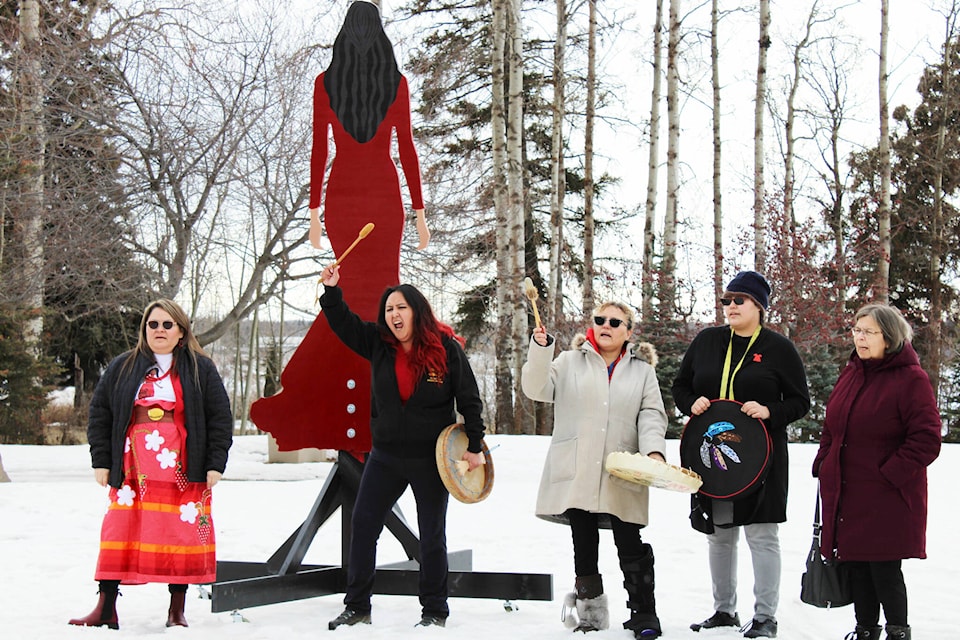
[(876, 584), (113, 585), (585, 528), (385, 478)]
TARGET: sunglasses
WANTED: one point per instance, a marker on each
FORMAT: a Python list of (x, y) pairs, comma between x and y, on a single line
[(167, 324), (614, 322), (737, 301)]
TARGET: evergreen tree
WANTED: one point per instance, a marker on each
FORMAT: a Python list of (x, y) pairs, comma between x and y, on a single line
[(22, 394), (93, 287), (920, 160)]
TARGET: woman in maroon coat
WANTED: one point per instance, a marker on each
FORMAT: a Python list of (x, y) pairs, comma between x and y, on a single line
[(881, 430)]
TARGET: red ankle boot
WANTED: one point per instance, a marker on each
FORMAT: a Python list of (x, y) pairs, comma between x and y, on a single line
[(103, 615), (175, 617)]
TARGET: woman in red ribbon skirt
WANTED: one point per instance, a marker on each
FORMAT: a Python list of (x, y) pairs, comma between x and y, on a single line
[(159, 428)]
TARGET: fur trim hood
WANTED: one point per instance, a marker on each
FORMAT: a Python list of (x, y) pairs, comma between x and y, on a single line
[(642, 350)]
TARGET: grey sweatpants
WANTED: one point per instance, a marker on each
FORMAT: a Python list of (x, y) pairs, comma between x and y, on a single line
[(764, 543)]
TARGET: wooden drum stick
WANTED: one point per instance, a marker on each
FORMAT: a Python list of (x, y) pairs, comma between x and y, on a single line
[(531, 292), (367, 228)]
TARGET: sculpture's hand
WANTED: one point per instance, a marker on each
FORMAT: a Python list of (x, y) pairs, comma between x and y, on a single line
[(316, 229), (422, 230)]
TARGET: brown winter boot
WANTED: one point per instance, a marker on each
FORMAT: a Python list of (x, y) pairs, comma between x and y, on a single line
[(104, 614), (175, 617)]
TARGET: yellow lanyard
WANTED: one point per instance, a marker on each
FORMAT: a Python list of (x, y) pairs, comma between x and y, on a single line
[(726, 382)]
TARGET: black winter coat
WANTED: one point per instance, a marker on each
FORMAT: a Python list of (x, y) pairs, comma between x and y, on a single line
[(206, 408), (411, 429), (773, 375)]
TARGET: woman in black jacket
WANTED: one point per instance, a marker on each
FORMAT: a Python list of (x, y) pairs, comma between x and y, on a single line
[(746, 362), (159, 429), (421, 379)]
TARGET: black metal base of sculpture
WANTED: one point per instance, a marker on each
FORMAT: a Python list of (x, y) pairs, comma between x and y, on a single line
[(283, 577)]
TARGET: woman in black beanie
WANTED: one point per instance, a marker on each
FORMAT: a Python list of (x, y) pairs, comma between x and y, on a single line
[(745, 361)]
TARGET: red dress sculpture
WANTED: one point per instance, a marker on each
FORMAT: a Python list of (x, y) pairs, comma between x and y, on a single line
[(325, 397)]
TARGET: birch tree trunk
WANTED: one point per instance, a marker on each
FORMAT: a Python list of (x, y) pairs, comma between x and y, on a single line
[(31, 203), (759, 222), (504, 365), (558, 171), (718, 283), (653, 153), (588, 226), (883, 267), (513, 278), (669, 266)]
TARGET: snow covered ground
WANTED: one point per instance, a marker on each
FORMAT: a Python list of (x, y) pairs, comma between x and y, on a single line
[(50, 517)]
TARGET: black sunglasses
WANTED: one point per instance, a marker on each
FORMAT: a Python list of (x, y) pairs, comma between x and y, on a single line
[(614, 322), (167, 324), (738, 301)]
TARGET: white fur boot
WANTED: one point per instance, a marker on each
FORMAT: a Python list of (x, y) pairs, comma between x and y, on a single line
[(585, 614)]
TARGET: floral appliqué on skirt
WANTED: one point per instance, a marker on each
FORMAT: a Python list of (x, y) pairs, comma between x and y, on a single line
[(158, 526)]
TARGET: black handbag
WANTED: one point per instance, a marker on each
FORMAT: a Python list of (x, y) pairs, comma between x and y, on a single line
[(825, 583)]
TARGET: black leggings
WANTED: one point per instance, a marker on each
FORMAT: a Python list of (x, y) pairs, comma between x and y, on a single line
[(585, 527), (108, 586), (876, 584)]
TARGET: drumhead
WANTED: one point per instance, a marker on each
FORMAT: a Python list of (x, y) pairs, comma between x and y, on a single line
[(641, 469), (728, 449), (469, 486)]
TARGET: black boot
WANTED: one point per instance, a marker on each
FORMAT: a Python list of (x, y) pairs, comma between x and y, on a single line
[(896, 632), (639, 583), (718, 619), (349, 617), (864, 633), (590, 604), (105, 613)]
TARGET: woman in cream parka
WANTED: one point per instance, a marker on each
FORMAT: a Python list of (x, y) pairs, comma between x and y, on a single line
[(607, 398)]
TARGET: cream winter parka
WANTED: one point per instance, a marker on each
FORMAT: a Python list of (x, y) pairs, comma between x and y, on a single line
[(592, 418)]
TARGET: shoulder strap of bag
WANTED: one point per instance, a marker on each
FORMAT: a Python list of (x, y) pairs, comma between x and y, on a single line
[(816, 516)]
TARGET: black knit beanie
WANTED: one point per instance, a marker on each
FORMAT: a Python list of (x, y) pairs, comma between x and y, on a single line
[(753, 284)]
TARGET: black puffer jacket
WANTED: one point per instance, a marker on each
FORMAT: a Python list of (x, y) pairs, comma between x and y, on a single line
[(409, 429), (207, 415)]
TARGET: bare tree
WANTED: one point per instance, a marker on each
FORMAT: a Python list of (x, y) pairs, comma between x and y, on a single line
[(558, 185), (205, 102), (653, 161), (31, 160), (883, 267), (717, 190), (512, 279), (794, 81), (668, 269), (588, 183), (759, 223), (506, 245), (829, 82)]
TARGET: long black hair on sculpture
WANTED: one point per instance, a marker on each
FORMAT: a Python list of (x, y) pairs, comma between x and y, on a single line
[(363, 76)]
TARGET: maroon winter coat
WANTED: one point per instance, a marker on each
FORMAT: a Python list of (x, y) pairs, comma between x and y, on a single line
[(881, 430)]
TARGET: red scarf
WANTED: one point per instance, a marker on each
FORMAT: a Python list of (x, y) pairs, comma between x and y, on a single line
[(592, 339), (406, 376)]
